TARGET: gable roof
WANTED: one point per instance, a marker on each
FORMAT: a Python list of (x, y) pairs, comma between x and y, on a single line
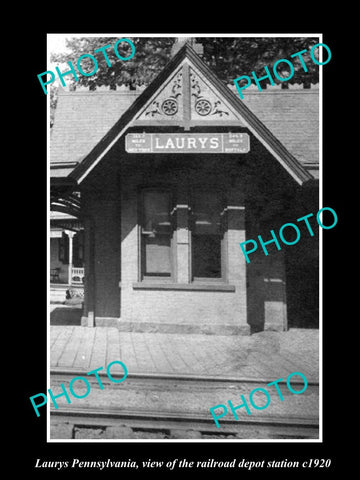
[(292, 115), (98, 135), (82, 118)]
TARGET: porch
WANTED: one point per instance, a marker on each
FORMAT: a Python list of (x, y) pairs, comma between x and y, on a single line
[(76, 276), (67, 270), (66, 293)]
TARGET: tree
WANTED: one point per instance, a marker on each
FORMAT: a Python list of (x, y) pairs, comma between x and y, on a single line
[(151, 55), (230, 58)]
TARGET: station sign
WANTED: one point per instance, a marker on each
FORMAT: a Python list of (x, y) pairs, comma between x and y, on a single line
[(187, 143)]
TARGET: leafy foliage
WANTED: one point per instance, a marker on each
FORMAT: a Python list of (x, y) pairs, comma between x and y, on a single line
[(233, 57), (151, 55), (228, 57)]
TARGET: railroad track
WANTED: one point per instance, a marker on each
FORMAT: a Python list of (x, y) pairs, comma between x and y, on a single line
[(168, 407)]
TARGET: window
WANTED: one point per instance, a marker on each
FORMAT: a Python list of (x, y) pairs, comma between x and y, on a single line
[(207, 226), (206, 256), (156, 235), (64, 249), (78, 249)]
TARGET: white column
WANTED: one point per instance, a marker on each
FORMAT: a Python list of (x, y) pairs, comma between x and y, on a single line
[(88, 318), (182, 244), (70, 234)]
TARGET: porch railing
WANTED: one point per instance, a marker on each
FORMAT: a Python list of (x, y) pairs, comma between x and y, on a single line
[(77, 275)]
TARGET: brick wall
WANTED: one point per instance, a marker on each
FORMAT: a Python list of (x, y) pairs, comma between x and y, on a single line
[(182, 310), (260, 196)]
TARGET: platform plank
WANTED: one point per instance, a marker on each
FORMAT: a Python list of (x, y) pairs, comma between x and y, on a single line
[(265, 355)]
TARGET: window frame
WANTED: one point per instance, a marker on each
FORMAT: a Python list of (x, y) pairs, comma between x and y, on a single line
[(223, 240), (143, 278)]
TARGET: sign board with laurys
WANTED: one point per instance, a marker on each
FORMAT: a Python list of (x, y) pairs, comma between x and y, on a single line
[(187, 143)]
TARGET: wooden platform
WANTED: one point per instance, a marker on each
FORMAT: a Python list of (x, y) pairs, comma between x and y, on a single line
[(268, 355), (174, 379)]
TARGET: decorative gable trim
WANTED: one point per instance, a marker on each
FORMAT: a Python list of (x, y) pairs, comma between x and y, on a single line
[(205, 100), (187, 99), (167, 103)]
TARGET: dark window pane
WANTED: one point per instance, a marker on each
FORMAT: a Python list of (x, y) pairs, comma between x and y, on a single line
[(206, 235), (157, 212), (78, 249), (64, 249), (206, 213), (206, 250)]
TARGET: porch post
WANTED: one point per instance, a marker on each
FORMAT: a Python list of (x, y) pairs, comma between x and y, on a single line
[(88, 319), (70, 234)]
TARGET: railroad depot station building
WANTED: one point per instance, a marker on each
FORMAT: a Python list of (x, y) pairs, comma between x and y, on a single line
[(153, 190)]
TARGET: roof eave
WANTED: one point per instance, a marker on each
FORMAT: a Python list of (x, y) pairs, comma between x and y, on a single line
[(273, 145)]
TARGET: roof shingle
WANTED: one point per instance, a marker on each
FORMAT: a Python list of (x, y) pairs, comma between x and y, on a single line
[(83, 118)]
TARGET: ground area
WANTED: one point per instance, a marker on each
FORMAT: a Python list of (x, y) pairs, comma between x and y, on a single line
[(262, 355), (173, 380)]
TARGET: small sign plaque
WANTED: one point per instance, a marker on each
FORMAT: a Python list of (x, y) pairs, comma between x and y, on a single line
[(187, 143)]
